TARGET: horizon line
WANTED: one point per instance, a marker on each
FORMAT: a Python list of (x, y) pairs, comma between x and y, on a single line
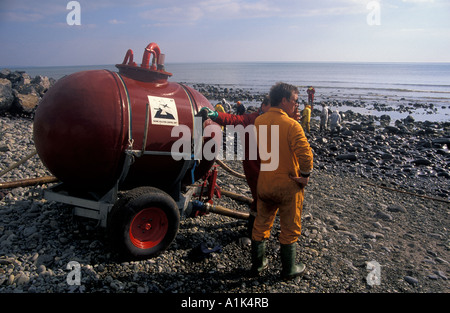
[(237, 62)]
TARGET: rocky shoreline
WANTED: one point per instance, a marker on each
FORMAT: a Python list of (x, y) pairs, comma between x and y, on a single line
[(378, 196), (383, 105), (20, 93)]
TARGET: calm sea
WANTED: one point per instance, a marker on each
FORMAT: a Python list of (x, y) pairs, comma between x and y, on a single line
[(390, 83)]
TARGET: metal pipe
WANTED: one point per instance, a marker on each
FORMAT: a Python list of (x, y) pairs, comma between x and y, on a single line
[(129, 58), (152, 48)]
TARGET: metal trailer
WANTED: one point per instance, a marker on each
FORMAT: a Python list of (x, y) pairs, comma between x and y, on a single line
[(142, 222)]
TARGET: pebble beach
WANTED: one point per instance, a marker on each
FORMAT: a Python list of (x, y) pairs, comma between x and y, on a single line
[(378, 196)]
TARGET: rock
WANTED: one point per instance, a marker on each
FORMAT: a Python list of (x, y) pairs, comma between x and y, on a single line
[(41, 269), (441, 260), (21, 79), (373, 235), (411, 280), (393, 129), (377, 225), (349, 157), (29, 231), (396, 208), (369, 235), (421, 161), (348, 133), (353, 236), (22, 279), (409, 119), (6, 95), (42, 84), (11, 279), (441, 141), (441, 274), (4, 148), (385, 118), (433, 276), (383, 216), (6, 261), (356, 127), (4, 73), (44, 259), (245, 242), (25, 103), (387, 156)]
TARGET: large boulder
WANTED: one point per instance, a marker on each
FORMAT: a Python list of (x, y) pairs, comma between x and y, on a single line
[(6, 95), (25, 103), (41, 84)]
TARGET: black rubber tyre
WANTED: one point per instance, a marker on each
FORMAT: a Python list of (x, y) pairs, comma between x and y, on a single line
[(143, 223)]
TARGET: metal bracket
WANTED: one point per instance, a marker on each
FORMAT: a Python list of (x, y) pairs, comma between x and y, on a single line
[(90, 205)]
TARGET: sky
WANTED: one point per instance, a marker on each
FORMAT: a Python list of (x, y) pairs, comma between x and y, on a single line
[(45, 32)]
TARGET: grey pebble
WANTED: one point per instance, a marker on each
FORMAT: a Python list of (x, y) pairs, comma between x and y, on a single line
[(411, 280)]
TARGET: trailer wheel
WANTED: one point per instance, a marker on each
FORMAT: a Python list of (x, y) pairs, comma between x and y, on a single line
[(143, 223)]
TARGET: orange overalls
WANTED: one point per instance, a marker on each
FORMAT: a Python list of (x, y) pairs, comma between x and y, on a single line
[(276, 190), (306, 118)]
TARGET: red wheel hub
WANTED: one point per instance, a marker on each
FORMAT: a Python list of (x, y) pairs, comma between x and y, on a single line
[(148, 228)]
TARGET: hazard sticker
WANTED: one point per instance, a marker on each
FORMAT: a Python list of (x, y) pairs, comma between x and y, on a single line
[(163, 111)]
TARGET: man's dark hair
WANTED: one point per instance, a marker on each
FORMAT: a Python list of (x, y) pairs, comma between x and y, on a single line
[(280, 91), (266, 100)]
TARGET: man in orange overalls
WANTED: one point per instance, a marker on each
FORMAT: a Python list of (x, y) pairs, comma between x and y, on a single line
[(251, 167), (281, 188)]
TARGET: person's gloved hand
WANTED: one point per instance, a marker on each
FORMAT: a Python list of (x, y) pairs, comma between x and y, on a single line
[(210, 113)]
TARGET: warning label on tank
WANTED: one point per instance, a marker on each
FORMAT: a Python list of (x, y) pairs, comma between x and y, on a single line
[(163, 111)]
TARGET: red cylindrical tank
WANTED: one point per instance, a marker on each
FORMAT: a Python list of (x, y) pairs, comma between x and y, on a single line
[(88, 121)]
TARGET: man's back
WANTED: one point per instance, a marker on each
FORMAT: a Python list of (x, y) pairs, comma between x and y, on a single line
[(294, 152)]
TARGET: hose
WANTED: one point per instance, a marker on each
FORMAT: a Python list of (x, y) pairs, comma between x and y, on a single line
[(236, 196), (18, 163), (29, 182), (229, 193), (230, 170), (211, 208)]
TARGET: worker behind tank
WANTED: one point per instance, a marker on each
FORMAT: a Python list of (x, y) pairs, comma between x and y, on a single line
[(226, 105), (250, 166), (306, 118), (335, 121), (240, 108), (324, 117)]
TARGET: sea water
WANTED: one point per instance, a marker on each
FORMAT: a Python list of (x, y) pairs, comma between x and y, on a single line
[(392, 84)]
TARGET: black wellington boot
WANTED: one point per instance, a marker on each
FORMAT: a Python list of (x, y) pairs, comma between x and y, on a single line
[(259, 260), (290, 269)]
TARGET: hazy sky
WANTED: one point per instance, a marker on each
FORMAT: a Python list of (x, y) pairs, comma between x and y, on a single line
[(37, 33)]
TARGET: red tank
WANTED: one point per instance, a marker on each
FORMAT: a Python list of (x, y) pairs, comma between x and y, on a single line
[(88, 122)]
